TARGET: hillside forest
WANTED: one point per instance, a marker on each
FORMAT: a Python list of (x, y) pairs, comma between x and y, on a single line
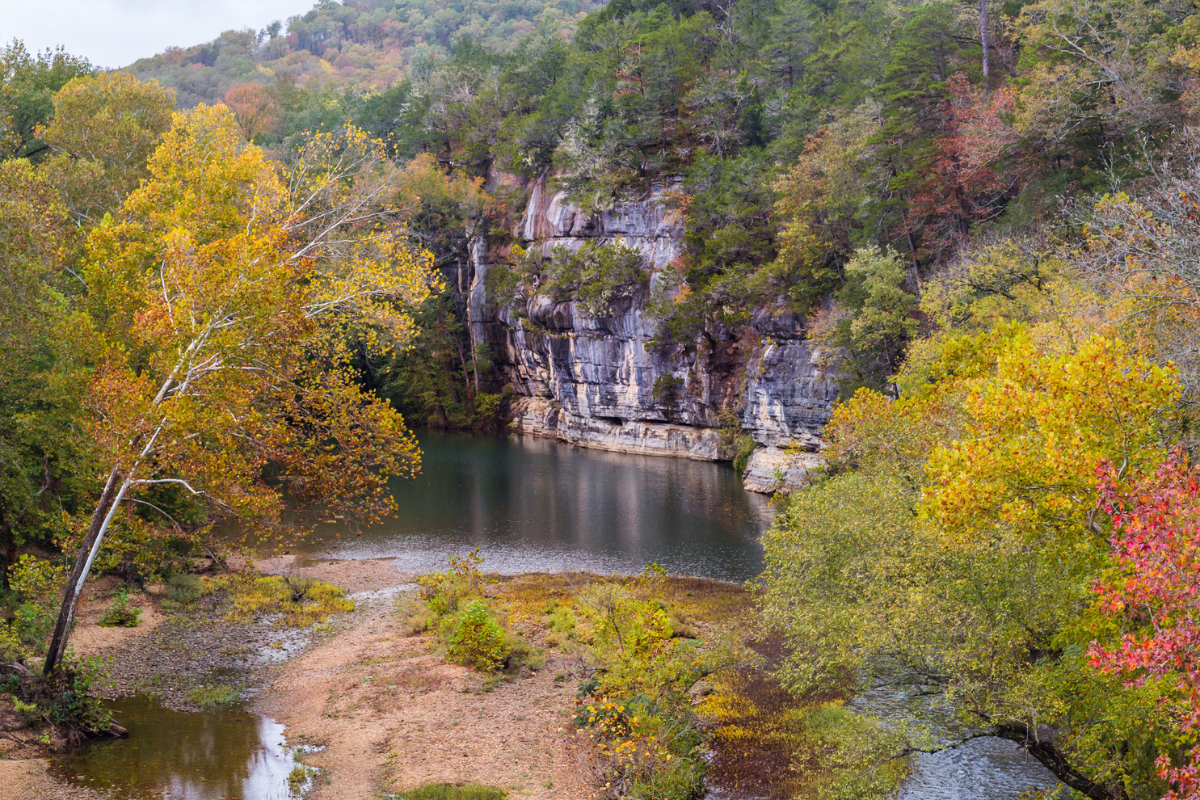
[(228, 290)]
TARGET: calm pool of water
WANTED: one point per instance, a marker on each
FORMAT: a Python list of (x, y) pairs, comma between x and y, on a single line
[(216, 755), (536, 505)]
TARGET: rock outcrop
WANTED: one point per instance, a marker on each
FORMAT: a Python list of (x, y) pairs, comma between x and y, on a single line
[(601, 381)]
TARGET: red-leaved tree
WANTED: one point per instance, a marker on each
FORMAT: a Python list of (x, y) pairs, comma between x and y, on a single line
[(1153, 591)]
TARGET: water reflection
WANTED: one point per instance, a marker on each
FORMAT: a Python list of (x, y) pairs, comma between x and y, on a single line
[(535, 504), (228, 754)]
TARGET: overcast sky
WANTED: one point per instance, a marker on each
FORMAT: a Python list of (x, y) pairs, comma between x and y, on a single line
[(115, 33)]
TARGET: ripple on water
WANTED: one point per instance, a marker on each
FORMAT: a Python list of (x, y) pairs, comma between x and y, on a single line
[(987, 767)]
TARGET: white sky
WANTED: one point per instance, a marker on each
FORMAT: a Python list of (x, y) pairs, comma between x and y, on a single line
[(115, 33)]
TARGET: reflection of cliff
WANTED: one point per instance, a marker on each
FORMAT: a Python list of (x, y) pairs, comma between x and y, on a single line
[(201, 756), (535, 505), (591, 380)]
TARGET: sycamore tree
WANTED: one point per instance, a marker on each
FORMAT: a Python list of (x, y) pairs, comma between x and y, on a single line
[(227, 291)]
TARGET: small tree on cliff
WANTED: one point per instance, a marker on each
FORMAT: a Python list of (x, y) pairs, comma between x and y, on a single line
[(227, 290)]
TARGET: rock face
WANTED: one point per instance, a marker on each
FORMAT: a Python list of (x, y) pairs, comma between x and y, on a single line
[(601, 381)]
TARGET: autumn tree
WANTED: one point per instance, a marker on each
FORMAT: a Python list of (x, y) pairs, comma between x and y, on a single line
[(953, 549), (256, 111), (102, 134), (228, 291), (1149, 596)]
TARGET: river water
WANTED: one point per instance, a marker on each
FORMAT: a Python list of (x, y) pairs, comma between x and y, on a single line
[(536, 505), (530, 505)]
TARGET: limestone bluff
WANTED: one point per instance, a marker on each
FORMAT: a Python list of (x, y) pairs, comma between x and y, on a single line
[(589, 380)]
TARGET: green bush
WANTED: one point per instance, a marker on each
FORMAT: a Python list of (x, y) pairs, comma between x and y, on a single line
[(666, 389), (33, 623), (741, 457), (120, 614), (477, 640), (682, 779), (443, 592), (12, 649), (65, 700), (597, 276)]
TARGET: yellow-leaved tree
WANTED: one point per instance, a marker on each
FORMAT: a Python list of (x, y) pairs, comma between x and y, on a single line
[(228, 289)]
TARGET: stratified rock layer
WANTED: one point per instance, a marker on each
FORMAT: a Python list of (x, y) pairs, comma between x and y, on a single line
[(591, 380)]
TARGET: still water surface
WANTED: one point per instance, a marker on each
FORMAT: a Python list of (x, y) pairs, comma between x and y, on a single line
[(229, 754), (535, 505)]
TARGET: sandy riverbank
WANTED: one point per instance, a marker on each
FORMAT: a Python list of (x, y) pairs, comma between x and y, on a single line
[(386, 710)]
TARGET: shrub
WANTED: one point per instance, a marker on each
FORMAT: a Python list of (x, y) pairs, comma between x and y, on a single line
[(636, 703), (119, 614), (65, 700), (443, 592), (741, 457), (12, 649), (33, 623), (666, 389), (37, 586), (681, 779), (597, 276), (477, 640)]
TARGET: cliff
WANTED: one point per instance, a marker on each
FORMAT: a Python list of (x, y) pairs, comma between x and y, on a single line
[(598, 381)]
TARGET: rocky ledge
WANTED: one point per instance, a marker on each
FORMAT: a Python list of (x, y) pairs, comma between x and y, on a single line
[(604, 382)]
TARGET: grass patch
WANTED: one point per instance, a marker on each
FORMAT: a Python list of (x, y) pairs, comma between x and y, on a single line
[(298, 602), (210, 697), (448, 791)]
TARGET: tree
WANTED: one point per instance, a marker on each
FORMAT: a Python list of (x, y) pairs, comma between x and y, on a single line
[(44, 456), (228, 292), (820, 200), (952, 551), (28, 82), (870, 321), (102, 134), (1140, 253), (256, 111), (1149, 594)]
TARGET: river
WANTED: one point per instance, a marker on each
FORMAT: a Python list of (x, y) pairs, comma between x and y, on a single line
[(536, 505), (530, 505)]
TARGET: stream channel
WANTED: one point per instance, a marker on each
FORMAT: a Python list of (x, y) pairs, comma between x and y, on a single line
[(530, 505)]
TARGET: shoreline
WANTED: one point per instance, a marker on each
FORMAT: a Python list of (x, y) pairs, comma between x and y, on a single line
[(377, 706)]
